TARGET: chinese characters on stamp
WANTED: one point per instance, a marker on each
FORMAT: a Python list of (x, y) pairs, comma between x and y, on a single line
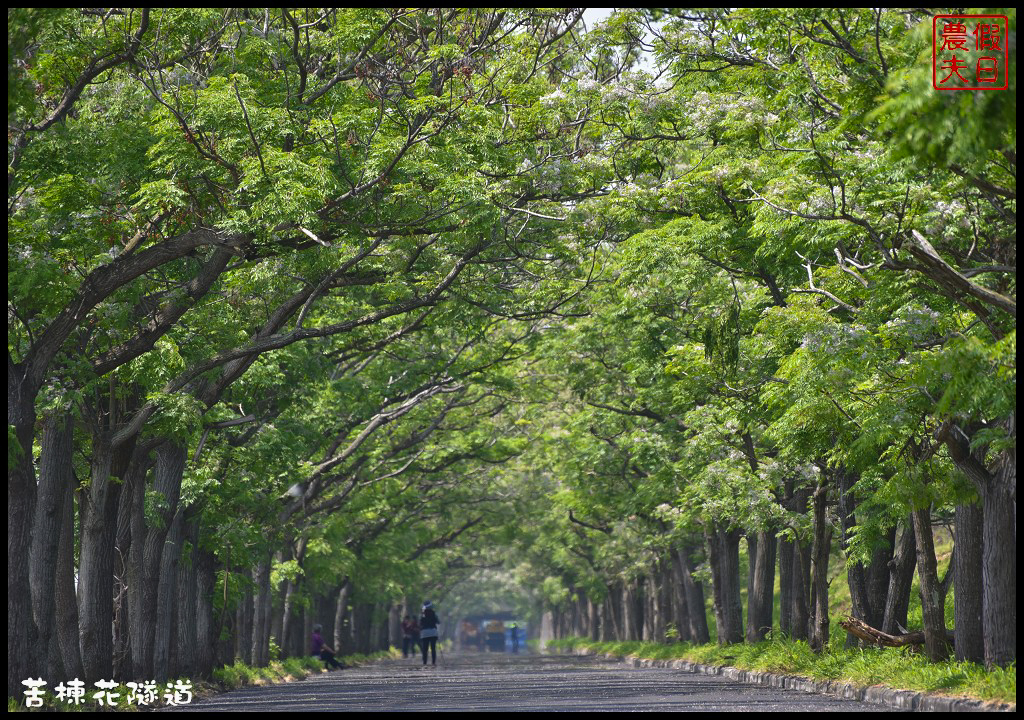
[(970, 52)]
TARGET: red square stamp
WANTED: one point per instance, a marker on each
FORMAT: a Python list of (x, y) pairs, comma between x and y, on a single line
[(970, 52)]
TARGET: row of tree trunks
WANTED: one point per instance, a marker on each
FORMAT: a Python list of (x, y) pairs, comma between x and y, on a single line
[(643, 608), (868, 585), (996, 483)]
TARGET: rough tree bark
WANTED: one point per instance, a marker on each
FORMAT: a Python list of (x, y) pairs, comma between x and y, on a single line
[(997, 485), (694, 590), (968, 560), (819, 629), (206, 630), (856, 574), (166, 597), (723, 554), (261, 613), (96, 556), (65, 596), (343, 644), (170, 468), (761, 590), (901, 579), (785, 587), (186, 620), (55, 476), (932, 609)]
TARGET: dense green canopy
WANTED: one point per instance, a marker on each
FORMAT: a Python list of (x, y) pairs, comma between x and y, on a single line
[(314, 312)]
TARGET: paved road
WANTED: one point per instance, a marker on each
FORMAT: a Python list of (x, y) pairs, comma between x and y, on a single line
[(493, 683)]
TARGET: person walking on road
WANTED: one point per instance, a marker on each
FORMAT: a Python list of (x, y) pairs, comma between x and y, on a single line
[(428, 632)]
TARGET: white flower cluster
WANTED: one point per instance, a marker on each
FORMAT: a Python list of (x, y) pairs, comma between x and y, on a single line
[(832, 338), (705, 110), (553, 99), (915, 322), (946, 215)]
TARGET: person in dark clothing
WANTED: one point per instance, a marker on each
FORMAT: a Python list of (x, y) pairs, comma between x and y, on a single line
[(410, 636), (428, 632), (322, 651)]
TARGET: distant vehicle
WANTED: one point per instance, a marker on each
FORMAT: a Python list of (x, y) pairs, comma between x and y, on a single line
[(496, 636)]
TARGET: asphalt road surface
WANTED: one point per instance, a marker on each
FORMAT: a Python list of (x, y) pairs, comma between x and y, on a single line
[(492, 683)]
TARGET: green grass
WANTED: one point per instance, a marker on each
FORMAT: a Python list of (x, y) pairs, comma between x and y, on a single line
[(296, 668), (892, 667)]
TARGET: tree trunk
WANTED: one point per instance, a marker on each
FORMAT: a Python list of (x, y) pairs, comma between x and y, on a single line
[(23, 660), (343, 640), (96, 564), (170, 468), (680, 612), (800, 591), (288, 619), (998, 488), (261, 614), (166, 598), (55, 476), (128, 527), (932, 608), (278, 593), (615, 613), (999, 562), (651, 608), (244, 634), (206, 630), (695, 605), (630, 621), (819, 630), (878, 578), (786, 587), (724, 549), (65, 598), (751, 538), (761, 590), (901, 580), (186, 609), (968, 609), (856, 575)]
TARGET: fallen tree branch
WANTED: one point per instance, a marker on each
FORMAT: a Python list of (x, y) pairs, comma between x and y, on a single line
[(860, 629)]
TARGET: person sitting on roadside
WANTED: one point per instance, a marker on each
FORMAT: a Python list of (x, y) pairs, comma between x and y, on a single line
[(321, 650)]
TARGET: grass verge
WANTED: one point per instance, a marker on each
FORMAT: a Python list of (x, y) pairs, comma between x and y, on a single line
[(891, 667)]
